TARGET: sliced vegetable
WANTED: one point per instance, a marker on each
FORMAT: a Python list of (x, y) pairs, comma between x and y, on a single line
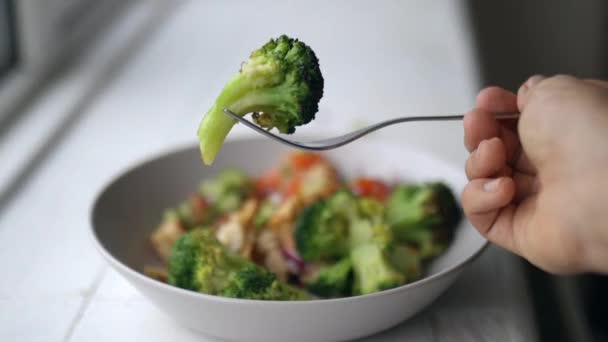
[(369, 187), (301, 161), (227, 190), (292, 188), (268, 182)]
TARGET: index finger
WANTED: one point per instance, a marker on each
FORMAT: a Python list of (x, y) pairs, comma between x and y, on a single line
[(499, 100), (480, 124)]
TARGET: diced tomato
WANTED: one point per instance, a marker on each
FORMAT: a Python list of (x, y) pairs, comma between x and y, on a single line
[(369, 187), (198, 207), (197, 202), (292, 187), (269, 182), (301, 161)]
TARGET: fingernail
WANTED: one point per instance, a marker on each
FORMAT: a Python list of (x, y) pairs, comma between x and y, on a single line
[(491, 186), (481, 147), (534, 80)]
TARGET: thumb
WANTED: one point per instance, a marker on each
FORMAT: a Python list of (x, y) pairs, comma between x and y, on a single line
[(525, 91)]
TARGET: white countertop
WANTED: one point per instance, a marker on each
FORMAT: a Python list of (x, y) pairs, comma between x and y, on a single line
[(380, 59)]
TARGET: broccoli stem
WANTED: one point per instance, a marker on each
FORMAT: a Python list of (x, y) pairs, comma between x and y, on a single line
[(216, 125), (212, 132), (240, 97)]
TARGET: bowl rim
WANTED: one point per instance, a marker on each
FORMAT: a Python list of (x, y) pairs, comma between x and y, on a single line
[(123, 268)]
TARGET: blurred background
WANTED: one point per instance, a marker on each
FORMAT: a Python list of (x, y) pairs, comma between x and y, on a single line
[(115, 80)]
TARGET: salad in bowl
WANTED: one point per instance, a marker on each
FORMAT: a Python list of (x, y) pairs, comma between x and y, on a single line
[(300, 231)]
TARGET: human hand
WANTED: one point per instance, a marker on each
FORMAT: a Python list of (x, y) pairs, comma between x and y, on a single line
[(539, 187)]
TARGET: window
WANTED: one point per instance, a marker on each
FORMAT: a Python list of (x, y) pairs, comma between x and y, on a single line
[(8, 48)]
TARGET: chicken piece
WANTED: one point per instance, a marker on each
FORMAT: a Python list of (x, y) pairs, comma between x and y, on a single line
[(231, 233), (308, 175), (248, 211), (248, 246), (237, 232), (169, 231), (282, 222), (319, 181), (284, 233), (286, 212), (268, 245), (276, 264), (246, 216), (159, 273)]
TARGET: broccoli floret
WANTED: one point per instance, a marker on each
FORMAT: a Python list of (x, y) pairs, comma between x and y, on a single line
[(322, 229), (367, 223), (193, 212), (250, 283), (227, 190), (373, 270), (375, 253), (406, 260), (199, 262), (370, 209), (344, 226), (424, 215), (281, 82), (254, 282), (333, 280)]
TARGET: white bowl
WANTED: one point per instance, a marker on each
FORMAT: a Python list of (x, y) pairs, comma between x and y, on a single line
[(128, 209)]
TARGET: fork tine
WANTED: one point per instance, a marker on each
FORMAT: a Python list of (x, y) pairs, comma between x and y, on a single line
[(268, 133)]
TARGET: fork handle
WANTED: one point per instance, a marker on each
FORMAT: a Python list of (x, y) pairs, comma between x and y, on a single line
[(505, 116), (498, 116), (352, 136)]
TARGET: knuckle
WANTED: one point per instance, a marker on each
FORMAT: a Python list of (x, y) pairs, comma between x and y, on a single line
[(562, 78), (554, 90), (557, 83), (469, 167), (465, 200)]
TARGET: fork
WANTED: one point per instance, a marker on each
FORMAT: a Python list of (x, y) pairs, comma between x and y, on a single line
[(335, 142)]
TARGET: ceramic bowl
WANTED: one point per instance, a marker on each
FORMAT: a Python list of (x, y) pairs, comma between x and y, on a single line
[(130, 206)]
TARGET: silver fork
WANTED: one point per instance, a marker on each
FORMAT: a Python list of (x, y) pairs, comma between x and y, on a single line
[(331, 143)]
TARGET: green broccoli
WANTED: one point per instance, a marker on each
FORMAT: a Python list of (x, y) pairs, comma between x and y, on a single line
[(376, 262), (332, 280), (344, 227), (373, 270), (192, 213), (199, 262), (227, 190), (367, 223), (424, 215), (370, 209), (321, 230), (281, 83), (375, 253), (253, 282), (405, 259)]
